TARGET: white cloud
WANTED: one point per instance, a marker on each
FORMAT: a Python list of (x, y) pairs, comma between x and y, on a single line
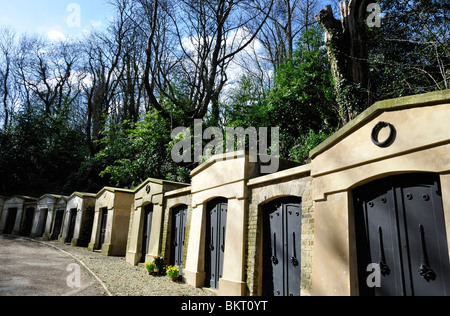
[(55, 35)]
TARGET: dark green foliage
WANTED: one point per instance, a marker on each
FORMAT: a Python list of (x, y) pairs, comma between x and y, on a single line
[(410, 53), (39, 153), (57, 151), (303, 96), (131, 155), (305, 143), (302, 99)]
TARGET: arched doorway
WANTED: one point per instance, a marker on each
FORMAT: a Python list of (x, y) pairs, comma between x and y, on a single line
[(146, 231), (178, 232), (10, 221), (216, 223), (282, 228), (58, 224), (72, 223), (28, 221), (401, 237)]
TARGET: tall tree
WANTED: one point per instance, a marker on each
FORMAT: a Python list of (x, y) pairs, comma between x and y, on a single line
[(386, 49), (281, 31), (208, 36), (410, 52), (105, 68), (7, 47), (347, 52), (47, 72)]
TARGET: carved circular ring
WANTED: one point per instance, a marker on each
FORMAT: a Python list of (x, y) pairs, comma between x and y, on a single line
[(147, 189), (376, 130)]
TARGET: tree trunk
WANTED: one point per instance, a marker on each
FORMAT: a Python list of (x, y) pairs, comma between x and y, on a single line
[(347, 53)]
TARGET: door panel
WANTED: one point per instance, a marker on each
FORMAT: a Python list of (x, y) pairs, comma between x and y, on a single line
[(426, 236), (179, 216), (44, 213), (72, 223), (216, 221), (104, 221), (10, 221), (28, 222), (148, 218), (282, 247), (58, 224), (378, 242), (293, 246), (399, 225), (221, 238), (275, 243)]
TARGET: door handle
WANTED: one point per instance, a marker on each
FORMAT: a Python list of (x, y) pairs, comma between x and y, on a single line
[(425, 271), (294, 259), (274, 258)]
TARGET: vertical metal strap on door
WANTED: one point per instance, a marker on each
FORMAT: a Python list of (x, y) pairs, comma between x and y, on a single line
[(274, 257), (425, 271), (385, 271), (294, 259)]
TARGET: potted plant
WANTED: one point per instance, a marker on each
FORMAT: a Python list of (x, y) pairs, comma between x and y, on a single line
[(173, 272), (158, 261), (150, 268)]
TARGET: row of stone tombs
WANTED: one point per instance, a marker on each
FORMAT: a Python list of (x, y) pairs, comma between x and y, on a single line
[(375, 198), (159, 217)]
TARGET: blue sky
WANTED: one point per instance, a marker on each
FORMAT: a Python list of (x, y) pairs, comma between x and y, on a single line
[(50, 17)]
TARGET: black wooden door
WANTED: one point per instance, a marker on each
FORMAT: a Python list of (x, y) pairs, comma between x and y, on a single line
[(44, 214), (58, 224), (282, 247), (216, 223), (28, 222), (104, 214), (10, 221), (179, 216), (400, 228), (148, 217), (72, 223)]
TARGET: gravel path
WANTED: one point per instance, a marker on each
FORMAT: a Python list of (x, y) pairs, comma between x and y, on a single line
[(123, 279), (28, 268)]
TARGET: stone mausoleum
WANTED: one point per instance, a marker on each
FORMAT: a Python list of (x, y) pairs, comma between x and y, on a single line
[(369, 215)]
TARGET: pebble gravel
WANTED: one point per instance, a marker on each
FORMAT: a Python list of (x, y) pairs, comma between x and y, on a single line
[(123, 279)]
